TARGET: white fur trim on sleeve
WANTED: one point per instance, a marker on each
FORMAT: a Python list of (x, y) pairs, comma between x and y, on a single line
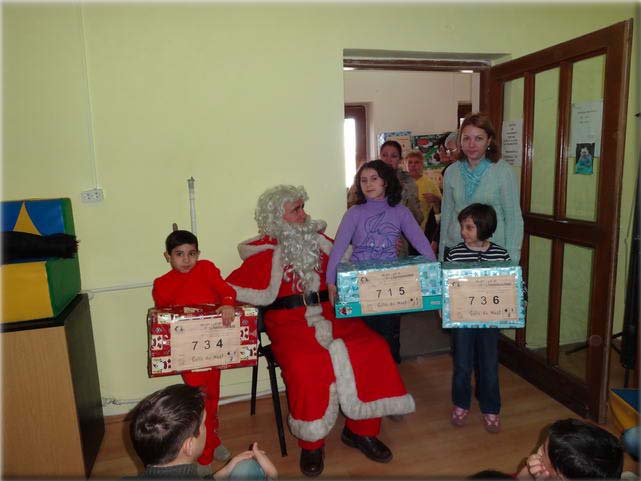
[(263, 297)]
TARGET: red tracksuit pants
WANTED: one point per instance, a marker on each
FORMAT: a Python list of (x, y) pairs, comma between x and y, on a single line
[(209, 381)]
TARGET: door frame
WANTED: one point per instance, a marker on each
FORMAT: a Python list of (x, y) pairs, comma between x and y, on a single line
[(588, 398)]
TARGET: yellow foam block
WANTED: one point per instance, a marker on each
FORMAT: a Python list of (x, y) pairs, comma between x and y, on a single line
[(25, 292), (625, 416)]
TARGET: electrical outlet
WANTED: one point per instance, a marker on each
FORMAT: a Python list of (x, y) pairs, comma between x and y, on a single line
[(93, 195)]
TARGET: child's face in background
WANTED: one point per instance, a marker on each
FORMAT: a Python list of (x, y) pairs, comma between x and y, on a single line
[(468, 231), (183, 258), (415, 167), (372, 185), (390, 156)]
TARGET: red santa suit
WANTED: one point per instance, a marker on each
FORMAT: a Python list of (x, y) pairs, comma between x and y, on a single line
[(327, 363)]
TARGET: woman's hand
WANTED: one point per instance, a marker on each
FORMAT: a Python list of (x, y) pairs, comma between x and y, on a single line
[(333, 292), (228, 313)]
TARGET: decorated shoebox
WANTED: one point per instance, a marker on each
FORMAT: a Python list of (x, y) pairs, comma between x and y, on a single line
[(188, 338), (482, 294), (38, 288), (368, 288)]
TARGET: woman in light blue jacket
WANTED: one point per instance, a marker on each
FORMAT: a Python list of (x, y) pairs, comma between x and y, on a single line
[(480, 176)]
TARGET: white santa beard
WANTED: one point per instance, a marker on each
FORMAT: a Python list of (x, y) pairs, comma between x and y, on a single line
[(300, 252)]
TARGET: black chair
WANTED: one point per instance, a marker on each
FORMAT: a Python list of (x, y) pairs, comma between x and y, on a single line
[(272, 364)]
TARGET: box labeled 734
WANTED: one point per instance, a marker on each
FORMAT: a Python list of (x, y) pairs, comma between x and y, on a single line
[(185, 338)]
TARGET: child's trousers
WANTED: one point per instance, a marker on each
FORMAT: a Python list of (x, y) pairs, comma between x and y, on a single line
[(388, 326), (210, 381), (483, 342)]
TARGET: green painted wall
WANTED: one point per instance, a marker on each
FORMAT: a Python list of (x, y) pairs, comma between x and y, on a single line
[(241, 97)]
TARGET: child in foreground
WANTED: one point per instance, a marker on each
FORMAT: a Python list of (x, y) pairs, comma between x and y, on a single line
[(478, 223), (192, 281), (373, 227), (575, 449), (168, 433)]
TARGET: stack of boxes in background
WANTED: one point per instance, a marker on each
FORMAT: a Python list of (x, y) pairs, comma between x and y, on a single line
[(40, 287)]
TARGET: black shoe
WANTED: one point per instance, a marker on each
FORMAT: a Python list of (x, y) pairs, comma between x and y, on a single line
[(311, 462), (397, 418), (370, 446)]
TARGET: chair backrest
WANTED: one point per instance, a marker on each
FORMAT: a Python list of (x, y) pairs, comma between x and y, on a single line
[(260, 323)]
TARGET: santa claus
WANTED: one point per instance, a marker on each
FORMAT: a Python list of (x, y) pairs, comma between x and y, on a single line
[(327, 363)]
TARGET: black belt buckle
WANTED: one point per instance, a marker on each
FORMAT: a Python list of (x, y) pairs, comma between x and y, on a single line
[(318, 299)]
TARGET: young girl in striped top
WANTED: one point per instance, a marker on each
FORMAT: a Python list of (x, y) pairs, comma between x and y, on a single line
[(478, 223)]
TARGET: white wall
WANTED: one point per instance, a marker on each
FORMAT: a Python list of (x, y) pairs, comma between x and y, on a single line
[(421, 102)]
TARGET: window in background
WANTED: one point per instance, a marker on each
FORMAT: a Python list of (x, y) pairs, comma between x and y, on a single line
[(464, 108), (355, 140)]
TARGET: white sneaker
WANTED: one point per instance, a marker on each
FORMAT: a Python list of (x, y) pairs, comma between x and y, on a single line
[(221, 453)]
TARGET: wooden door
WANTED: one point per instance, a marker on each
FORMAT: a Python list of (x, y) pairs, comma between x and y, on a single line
[(570, 180)]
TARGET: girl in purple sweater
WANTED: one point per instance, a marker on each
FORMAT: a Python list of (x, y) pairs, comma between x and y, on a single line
[(373, 227)]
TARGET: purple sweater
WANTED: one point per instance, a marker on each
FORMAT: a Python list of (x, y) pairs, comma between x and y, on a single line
[(373, 229)]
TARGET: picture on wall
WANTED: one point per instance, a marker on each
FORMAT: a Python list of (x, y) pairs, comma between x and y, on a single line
[(428, 145), (584, 159)]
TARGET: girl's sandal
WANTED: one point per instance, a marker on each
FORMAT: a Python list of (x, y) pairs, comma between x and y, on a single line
[(458, 416), (492, 423)]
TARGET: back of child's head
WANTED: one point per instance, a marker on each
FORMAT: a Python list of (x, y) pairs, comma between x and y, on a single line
[(385, 172), (178, 238), (484, 218), (162, 421), (579, 450)]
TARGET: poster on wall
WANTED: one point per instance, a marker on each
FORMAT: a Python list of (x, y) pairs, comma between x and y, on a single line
[(512, 142), (585, 124), (584, 159), (428, 145), (403, 137)]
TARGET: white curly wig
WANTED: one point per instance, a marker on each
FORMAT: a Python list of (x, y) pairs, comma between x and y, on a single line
[(299, 242)]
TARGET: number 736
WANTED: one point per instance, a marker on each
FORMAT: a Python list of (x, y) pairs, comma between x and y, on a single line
[(483, 300)]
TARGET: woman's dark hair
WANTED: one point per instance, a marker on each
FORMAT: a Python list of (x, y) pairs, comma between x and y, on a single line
[(392, 143), (482, 121), (484, 218), (178, 238), (579, 450), (162, 421), (385, 172)]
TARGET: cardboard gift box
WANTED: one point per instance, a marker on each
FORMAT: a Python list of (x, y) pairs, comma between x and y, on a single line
[(368, 288), (185, 338), (482, 294)]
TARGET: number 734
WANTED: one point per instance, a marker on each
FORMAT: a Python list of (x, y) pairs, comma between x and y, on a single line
[(207, 344)]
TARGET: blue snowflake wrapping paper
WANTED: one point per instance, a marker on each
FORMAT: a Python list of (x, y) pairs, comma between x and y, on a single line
[(452, 271), (429, 283)]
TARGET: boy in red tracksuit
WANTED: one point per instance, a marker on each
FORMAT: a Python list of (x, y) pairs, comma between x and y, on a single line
[(190, 282)]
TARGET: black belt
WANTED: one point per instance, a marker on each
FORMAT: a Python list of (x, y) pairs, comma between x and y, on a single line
[(298, 300)]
